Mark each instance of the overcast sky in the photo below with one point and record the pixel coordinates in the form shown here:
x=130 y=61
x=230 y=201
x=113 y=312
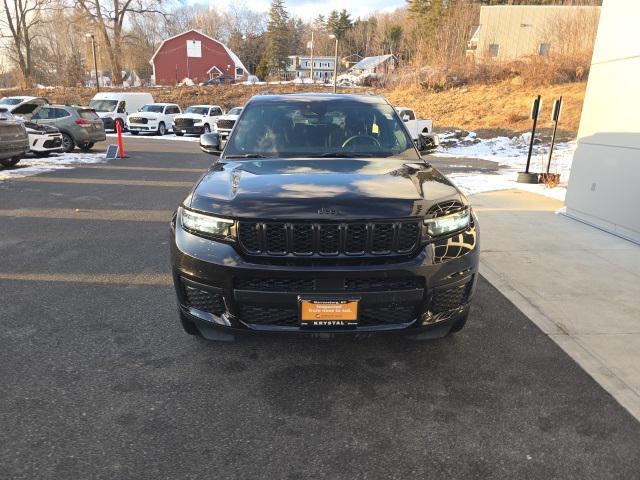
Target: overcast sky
x=308 y=9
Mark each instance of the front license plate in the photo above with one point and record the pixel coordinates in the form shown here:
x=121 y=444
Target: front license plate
x=328 y=313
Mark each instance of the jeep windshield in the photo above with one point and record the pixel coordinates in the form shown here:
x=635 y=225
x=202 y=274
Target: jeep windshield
x=322 y=128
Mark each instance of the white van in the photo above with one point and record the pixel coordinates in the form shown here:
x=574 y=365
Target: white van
x=114 y=107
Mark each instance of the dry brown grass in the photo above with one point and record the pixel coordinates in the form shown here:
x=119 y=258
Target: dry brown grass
x=497 y=106
x=502 y=106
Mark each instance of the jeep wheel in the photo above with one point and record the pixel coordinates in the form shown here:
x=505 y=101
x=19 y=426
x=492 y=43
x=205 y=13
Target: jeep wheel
x=10 y=162
x=67 y=143
x=162 y=129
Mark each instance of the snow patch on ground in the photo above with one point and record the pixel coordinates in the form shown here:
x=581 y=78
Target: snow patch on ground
x=32 y=166
x=511 y=156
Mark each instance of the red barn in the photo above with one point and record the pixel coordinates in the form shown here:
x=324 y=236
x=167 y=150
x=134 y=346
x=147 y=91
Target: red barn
x=194 y=55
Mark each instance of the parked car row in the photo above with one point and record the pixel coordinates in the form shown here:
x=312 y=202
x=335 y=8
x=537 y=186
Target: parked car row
x=163 y=118
x=48 y=128
x=137 y=112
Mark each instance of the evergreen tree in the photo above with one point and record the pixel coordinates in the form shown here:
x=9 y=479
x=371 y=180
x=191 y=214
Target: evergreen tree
x=278 y=36
x=392 y=39
x=338 y=23
x=319 y=24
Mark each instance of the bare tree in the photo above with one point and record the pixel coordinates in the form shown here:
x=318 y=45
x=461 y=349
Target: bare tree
x=108 y=18
x=19 y=23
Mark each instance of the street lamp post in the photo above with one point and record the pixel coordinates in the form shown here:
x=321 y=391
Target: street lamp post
x=95 y=62
x=335 y=65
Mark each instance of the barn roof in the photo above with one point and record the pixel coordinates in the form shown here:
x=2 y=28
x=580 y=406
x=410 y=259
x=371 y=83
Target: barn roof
x=233 y=56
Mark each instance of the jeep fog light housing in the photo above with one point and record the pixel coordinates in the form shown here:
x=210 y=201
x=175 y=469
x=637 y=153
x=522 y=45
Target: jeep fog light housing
x=449 y=223
x=206 y=225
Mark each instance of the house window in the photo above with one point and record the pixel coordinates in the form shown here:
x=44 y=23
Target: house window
x=494 y=48
x=543 y=49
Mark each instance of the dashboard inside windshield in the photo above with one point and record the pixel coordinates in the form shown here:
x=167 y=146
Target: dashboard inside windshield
x=319 y=128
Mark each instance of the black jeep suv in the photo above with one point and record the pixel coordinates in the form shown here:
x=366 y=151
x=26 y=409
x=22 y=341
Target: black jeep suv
x=321 y=216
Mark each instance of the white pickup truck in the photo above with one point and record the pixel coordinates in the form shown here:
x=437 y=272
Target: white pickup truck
x=415 y=125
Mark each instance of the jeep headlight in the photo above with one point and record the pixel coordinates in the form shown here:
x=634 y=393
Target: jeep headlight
x=206 y=225
x=453 y=222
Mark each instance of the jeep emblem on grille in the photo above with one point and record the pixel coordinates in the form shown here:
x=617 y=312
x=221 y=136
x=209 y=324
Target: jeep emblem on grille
x=328 y=211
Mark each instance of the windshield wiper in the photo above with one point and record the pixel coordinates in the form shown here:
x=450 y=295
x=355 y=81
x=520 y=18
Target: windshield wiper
x=341 y=155
x=247 y=155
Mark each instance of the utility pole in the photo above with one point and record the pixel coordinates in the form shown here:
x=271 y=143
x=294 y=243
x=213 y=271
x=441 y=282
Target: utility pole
x=311 y=56
x=95 y=61
x=335 y=65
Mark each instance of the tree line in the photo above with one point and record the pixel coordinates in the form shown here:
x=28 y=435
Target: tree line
x=48 y=41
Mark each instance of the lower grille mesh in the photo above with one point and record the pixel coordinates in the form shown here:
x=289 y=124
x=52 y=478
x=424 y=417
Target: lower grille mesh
x=204 y=300
x=450 y=298
x=288 y=317
x=345 y=284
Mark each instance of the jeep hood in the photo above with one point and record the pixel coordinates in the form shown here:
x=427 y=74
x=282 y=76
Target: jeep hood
x=321 y=189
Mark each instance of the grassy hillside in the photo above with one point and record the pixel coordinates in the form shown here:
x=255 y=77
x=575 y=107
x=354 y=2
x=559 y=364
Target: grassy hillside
x=494 y=107
x=487 y=109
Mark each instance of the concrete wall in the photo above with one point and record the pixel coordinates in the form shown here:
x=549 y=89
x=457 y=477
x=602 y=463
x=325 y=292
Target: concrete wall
x=520 y=29
x=604 y=187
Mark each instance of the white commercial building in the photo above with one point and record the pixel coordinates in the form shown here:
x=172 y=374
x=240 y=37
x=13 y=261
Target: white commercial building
x=604 y=186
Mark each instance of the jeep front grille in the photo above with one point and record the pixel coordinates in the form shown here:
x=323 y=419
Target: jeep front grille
x=329 y=239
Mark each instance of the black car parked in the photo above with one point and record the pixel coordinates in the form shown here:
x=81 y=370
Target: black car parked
x=321 y=216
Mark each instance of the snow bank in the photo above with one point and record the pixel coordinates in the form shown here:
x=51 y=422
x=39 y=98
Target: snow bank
x=31 y=166
x=511 y=156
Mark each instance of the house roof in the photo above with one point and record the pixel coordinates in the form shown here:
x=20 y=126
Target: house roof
x=371 y=62
x=233 y=56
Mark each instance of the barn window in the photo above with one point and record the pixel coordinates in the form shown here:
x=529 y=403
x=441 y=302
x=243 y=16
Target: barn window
x=494 y=48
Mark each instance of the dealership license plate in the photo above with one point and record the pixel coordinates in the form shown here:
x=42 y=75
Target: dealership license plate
x=328 y=313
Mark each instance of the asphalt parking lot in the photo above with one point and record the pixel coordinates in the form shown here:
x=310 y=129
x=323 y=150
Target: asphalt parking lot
x=98 y=381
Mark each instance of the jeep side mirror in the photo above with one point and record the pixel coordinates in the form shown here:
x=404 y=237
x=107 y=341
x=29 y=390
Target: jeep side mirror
x=210 y=143
x=427 y=142
x=405 y=118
